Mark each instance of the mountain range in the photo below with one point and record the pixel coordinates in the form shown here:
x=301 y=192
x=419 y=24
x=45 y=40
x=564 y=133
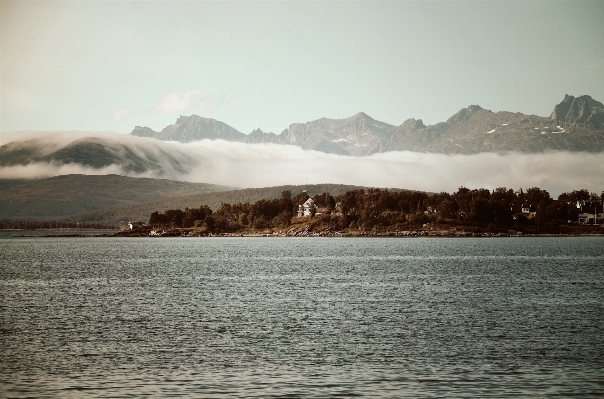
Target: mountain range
x=576 y=124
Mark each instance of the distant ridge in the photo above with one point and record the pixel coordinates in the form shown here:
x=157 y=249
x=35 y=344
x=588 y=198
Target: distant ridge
x=576 y=124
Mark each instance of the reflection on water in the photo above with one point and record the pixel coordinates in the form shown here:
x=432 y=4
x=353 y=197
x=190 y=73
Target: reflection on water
x=242 y=317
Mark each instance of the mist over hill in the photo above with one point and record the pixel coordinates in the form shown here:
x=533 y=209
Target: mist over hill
x=105 y=152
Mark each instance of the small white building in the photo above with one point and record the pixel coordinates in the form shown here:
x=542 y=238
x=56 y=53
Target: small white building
x=136 y=225
x=304 y=209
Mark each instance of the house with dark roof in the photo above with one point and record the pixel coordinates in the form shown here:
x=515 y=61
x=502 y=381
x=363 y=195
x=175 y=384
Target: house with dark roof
x=590 y=212
x=523 y=211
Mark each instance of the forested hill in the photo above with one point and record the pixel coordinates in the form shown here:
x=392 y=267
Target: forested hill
x=141 y=211
x=109 y=199
x=379 y=211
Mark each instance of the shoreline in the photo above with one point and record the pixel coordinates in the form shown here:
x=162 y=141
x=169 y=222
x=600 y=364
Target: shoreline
x=59 y=229
x=410 y=234
x=302 y=228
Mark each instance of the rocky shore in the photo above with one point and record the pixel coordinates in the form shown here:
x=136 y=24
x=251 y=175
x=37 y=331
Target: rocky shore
x=306 y=231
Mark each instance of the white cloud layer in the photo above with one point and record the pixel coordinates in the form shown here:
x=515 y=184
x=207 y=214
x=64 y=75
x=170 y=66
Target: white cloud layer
x=260 y=165
x=120 y=115
x=179 y=103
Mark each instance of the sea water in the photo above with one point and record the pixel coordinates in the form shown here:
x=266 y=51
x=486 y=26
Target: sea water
x=301 y=317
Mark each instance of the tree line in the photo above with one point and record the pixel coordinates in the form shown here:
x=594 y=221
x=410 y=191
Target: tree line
x=227 y=218
x=376 y=209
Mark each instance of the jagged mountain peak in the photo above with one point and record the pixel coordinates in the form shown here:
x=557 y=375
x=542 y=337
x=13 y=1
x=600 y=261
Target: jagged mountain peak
x=413 y=123
x=464 y=114
x=143 y=131
x=362 y=119
x=362 y=115
x=192 y=128
x=193 y=118
x=582 y=109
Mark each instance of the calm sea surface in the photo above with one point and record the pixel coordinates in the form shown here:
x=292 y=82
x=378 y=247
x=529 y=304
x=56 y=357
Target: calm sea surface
x=288 y=317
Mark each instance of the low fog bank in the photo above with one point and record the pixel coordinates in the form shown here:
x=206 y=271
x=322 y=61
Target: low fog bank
x=261 y=165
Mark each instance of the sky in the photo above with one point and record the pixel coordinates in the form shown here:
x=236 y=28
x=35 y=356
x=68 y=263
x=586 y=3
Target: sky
x=109 y=66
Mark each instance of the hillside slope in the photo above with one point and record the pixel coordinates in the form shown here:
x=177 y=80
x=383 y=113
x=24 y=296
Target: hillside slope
x=61 y=196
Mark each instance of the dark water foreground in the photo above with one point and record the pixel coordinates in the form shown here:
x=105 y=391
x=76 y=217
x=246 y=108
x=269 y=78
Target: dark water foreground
x=245 y=317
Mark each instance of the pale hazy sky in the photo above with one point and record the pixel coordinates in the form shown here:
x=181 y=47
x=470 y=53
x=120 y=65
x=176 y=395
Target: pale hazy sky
x=113 y=65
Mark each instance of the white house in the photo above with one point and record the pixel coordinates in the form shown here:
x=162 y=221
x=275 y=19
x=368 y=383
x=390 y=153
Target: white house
x=304 y=209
